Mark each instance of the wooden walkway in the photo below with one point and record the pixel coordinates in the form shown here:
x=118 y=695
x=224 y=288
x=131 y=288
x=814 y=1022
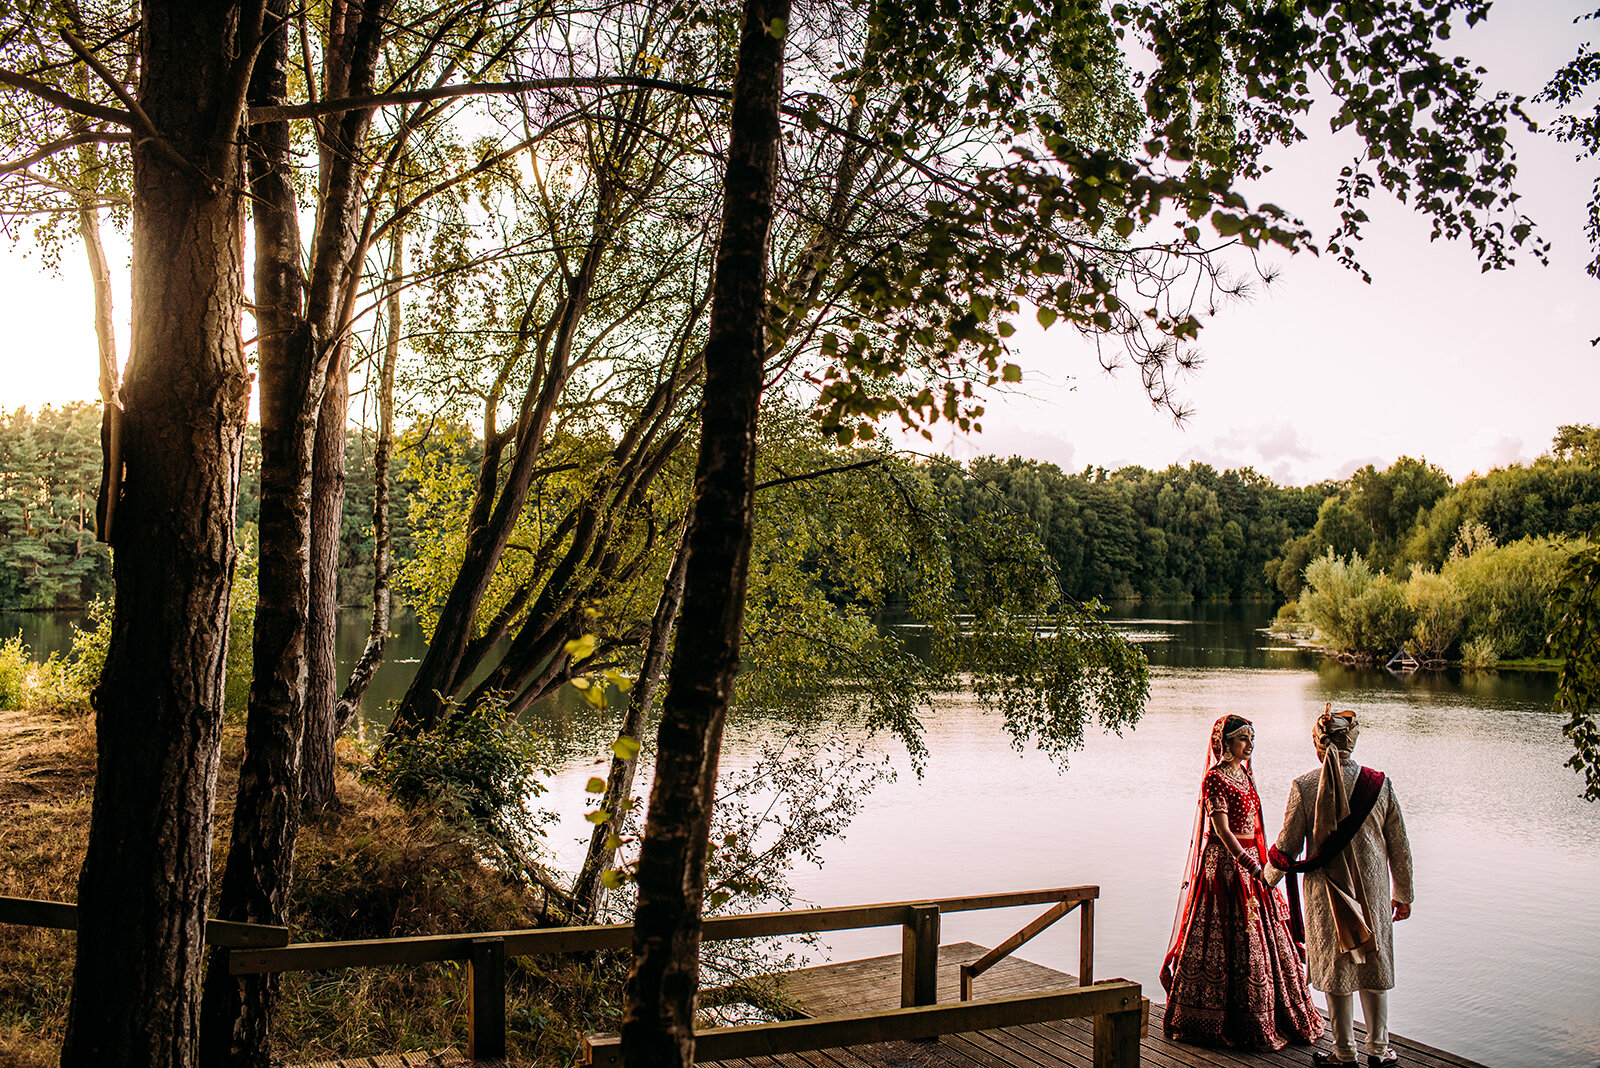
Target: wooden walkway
x=867 y=985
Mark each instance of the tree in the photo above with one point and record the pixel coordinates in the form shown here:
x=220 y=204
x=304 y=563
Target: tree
x=299 y=340
x=1576 y=641
x=1391 y=502
x=49 y=473
x=159 y=703
x=658 y=1015
x=1567 y=89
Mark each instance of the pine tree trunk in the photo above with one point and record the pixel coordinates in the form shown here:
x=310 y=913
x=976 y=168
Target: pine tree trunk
x=142 y=891
x=327 y=515
x=236 y=1011
x=658 y=1016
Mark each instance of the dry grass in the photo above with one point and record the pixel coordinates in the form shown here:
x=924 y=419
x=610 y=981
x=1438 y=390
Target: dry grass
x=364 y=869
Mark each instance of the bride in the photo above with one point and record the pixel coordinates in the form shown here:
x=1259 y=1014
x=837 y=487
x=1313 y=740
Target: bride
x=1232 y=973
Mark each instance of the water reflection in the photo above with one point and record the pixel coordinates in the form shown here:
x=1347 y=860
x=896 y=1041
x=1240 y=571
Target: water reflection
x=1498 y=962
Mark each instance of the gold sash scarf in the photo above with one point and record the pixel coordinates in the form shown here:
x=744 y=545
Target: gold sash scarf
x=1341 y=877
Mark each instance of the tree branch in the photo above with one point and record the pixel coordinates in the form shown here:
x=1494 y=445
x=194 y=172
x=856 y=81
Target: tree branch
x=786 y=479
x=50 y=149
x=66 y=101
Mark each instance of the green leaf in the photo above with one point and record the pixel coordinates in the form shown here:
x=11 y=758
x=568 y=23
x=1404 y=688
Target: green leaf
x=611 y=879
x=1047 y=316
x=1011 y=373
x=776 y=29
x=595 y=785
x=625 y=748
x=599 y=815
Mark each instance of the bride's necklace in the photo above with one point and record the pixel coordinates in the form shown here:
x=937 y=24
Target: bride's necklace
x=1233 y=771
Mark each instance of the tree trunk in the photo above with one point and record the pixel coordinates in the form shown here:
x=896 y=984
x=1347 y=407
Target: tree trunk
x=586 y=889
x=441 y=670
x=356 y=30
x=236 y=1011
x=106 y=339
x=142 y=891
x=327 y=515
x=658 y=1015
x=323 y=732
x=89 y=169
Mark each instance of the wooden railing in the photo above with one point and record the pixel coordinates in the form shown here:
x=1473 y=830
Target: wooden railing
x=1082 y=898
x=254 y=950
x=64 y=916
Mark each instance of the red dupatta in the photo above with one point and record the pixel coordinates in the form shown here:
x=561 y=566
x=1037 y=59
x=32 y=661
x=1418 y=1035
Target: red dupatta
x=1198 y=838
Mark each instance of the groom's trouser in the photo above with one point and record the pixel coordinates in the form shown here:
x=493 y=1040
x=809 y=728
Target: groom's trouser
x=1341 y=1014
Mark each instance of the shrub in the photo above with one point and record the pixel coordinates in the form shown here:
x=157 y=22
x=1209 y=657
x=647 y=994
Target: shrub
x=1380 y=619
x=87 y=658
x=1479 y=653
x=15 y=669
x=476 y=766
x=1354 y=609
x=1506 y=593
x=27 y=683
x=1440 y=613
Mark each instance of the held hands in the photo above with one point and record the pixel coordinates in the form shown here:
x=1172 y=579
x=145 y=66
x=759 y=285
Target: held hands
x=1402 y=909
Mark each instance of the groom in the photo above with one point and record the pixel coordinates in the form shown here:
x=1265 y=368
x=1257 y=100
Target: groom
x=1349 y=820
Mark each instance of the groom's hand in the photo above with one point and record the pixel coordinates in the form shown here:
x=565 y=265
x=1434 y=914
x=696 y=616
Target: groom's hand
x=1402 y=909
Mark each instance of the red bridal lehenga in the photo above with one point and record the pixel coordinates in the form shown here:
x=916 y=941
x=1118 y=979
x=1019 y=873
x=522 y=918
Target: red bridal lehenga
x=1232 y=972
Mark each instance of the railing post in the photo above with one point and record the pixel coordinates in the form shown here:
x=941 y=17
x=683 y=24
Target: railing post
x=1086 y=944
x=919 y=956
x=1116 y=1037
x=486 y=1004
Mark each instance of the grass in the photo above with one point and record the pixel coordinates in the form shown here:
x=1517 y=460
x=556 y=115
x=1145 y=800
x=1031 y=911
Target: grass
x=364 y=868
x=1529 y=663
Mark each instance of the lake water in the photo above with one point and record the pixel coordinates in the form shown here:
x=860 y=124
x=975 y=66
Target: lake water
x=1500 y=961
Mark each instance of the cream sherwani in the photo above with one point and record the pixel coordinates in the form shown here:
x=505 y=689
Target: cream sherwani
x=1381 y=851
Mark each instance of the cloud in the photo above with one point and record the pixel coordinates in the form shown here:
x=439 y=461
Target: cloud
x=1350 y=467
x=1275 y=449
x=998 y=439
x=1489 y=448
x=1269 y=442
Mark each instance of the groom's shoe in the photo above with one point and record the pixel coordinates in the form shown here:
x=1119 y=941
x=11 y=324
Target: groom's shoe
x=1325 y=1060
x=1375 y=1061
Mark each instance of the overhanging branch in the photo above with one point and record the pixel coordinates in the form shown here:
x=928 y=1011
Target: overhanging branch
x=66 y=101
x=47 y=150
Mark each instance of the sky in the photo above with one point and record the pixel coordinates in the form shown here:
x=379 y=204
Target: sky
x=1318 y=374
x=1310 y=378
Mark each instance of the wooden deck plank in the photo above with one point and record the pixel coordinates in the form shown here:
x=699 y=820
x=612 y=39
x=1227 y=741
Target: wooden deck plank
x=873 y=985
x=447 y=1058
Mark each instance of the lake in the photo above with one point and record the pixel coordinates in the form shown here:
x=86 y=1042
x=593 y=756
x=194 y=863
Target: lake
x=1500 y=961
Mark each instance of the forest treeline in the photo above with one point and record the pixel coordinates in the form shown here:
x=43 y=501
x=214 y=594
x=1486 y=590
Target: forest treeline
x=49 y=483
x=1180 y=533
x=1198 y=533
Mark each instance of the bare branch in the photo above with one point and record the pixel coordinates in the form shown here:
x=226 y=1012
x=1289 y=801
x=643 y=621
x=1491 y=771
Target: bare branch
x=66 y=101
x=50 y=149
x=448 y=92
